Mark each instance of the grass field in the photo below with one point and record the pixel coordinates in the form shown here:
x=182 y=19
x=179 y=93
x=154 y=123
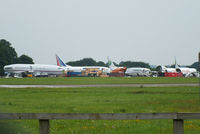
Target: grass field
x=95 y=80
x=102 y=100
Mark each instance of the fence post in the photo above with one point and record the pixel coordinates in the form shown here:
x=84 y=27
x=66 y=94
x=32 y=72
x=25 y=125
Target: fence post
x=178 y=126
x=44 y=126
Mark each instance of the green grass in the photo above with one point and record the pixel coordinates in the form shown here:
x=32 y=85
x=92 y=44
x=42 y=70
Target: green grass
x=102 y=100
x=94 y=80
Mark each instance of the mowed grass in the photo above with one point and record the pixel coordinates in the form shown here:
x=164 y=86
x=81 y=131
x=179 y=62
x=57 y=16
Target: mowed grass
x=102 y=100
x=94 y=80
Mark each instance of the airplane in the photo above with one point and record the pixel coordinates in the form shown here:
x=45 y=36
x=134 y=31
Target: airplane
x=138 y=71
x=166 y=71
x=186 y=71
x=133 y=71
x=115 y=69
x=77 y=71
x=20 y=70
x=163 y=69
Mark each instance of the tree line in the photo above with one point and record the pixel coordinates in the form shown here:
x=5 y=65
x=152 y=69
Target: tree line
x=92 y=62
x=8 y=56
x=196 y=65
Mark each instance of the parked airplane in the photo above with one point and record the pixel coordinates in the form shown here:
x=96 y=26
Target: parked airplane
x=133 y=71
x=163 y=69
x=115 y=69
x=78 y=70
x=186 y=71
x=138 y=71
x=18 y=70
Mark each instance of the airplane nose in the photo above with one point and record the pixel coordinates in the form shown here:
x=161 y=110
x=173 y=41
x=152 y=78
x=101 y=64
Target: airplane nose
x=7 y=68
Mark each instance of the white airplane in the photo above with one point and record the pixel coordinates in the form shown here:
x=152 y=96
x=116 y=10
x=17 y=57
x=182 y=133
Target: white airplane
x=114 y=68
x=138 y=71
x=133 y=71
x=78 y=70
x=163 y=69
x=17 y=70
x=186 y=71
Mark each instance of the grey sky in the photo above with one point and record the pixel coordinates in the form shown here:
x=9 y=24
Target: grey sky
x=152 y=31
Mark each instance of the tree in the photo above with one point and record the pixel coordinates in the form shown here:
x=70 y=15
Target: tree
x=24 y=59
x=134 y=64
x=86 y=62
x=100 y=63
x=196 y=65
x=8 y=55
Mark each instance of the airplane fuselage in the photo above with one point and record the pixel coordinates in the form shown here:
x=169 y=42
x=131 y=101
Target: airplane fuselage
x=34 y=68
x=138 y=71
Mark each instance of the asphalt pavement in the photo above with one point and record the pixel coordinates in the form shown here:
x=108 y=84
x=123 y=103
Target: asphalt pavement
x=100 y=85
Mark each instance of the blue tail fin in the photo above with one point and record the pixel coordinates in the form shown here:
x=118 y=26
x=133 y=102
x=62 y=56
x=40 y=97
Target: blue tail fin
x=60 y=62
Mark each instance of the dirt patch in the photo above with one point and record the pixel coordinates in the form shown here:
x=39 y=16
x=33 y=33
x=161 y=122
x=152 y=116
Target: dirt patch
x=161 y=92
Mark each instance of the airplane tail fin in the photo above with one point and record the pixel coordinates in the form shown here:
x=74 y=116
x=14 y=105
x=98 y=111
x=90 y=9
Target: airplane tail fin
x=110 y=63
x=60 y=62
x=176 y=65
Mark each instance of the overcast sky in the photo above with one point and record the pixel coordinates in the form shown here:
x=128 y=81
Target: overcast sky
x=153 y=31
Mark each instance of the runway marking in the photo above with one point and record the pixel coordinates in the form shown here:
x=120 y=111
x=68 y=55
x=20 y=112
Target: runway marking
x=100 y=85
